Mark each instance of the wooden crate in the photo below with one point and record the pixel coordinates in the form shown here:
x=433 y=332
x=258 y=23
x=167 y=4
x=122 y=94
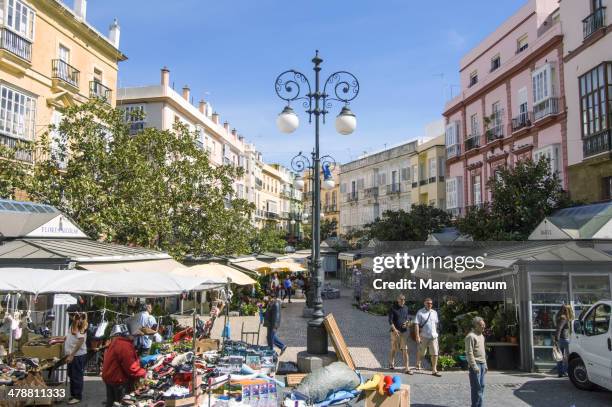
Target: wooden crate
x=184 y=402
x=294 y=379
x=338 y=341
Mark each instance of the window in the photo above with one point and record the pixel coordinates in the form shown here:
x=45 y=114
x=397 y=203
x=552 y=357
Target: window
x=475 y=131
x=64 y=54
x=522 y=44
x=552 y=154
x=432 y=169
x=20 y=18
x=394 y=177
x=17 y=112
x=476 y=191
x=497 y=126
x=597 y=322
x=454 y=190
x=495 y=62
x=542 y=83
x=452 y=136
x=523 y=107
x=97 y=76
x=405 y=174
x=596 y=5
x=415 y=174
x=595 y=103
x=473 y=78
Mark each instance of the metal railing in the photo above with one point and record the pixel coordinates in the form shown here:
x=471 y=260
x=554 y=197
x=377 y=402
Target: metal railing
x=370 y=192
x=423 y=182
x=594 y=22
x=453 y=151
x=271 y=215
x=495 y=133
x=521 y=121
x=97 y=90
x=16 y=44
x=472 y=142
x=597 y=143
x=330 y=208
x=258 y=183
x=415 y=184
x=394 y=188
x=352 y=197
x=64 y=71
x=546 y=108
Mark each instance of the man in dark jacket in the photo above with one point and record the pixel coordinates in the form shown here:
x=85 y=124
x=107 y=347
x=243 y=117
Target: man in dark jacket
x=121 y=365
x=399 y=322
x=272 y=320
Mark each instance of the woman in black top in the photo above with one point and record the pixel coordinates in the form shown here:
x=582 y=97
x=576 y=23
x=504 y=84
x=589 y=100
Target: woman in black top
x=562 y=335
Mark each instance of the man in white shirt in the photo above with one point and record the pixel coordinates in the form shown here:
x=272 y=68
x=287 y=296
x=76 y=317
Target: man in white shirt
x=426 y=326
x=147 y=323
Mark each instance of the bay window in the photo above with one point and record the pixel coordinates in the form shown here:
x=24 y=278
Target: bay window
x=595 y=89
x=17 y=112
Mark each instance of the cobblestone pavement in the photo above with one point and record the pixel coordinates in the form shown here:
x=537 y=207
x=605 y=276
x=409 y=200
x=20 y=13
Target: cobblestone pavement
x=368 y=339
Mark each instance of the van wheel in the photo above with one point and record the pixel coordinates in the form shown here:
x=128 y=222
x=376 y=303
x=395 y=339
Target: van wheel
x=578 y=374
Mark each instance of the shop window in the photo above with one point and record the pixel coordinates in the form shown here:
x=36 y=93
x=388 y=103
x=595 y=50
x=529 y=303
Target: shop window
x=597 y=322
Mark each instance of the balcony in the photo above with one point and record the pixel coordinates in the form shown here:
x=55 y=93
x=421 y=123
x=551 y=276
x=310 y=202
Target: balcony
x=21 y=154
x=64 y=73
x=99 y=91
x=393 y=188
x=453 y=151
x=258 y=183
x=271 y=215
x=594 y=22
x=330 y=208
x=495 y=133
x=370 y=192
x=597 y=143
x=16 y=44
x=352 y=196
x=415 y=184
x=522 y=121
x=546 y=108
x=423 y=182
x=472 y=142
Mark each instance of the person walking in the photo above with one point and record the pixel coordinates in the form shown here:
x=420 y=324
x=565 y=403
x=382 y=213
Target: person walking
x=272 y=320
x=75 y=351
x=121 y=365
x=562 y=335
x=357 y=286
x=426 y=333
x=147 y=325
x=275 y=285
x=288 y=285
x=477 y=361
x=399 y=322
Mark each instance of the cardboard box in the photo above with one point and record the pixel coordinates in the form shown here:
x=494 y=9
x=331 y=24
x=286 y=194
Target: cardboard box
x=43 y=352
x=204 y=345
x=400 y=398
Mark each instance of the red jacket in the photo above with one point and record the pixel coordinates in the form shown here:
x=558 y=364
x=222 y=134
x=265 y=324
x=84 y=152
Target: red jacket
x=121 y=363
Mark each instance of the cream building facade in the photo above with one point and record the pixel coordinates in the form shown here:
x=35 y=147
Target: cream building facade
x=330 y=198
x=51 y=58
x=393 y=179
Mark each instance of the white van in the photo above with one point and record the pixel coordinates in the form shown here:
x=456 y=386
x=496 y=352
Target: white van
x=590 y=348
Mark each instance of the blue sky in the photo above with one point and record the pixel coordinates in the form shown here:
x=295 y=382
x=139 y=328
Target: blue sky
x=404 y=53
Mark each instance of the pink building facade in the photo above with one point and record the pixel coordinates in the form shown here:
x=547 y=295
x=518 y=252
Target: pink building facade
x=511 y=106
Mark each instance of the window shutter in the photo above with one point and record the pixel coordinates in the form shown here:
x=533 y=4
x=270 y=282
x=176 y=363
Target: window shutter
x=432 y=167
x=405 y=174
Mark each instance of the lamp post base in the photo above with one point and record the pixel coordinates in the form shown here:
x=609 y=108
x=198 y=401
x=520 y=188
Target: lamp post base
x=307 y=312
x=308 y=362
x=316 y=339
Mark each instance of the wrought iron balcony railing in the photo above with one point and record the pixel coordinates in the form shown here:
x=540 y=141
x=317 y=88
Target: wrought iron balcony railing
x=472 y=142
x=65 y=72
x=523 y=120
x=16 y=44
x=99 y=91
x=597 y=143
x=393 y=188
x=594 y=22
x=370 y=192
x=352 y=197
x=453 y=150
x=548 y=107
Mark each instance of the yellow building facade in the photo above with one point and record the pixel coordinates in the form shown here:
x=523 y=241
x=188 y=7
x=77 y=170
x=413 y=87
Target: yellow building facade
x=50 y=58
x=330 y=198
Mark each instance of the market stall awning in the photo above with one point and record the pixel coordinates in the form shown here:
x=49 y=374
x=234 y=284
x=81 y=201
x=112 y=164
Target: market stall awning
x=251 y=265
x=215 y=270
x=108 y=284
x=162 y=266
x=283 y=266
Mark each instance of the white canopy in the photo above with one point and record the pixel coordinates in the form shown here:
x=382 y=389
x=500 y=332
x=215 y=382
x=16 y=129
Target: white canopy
x=108 y=283
x=215 y=271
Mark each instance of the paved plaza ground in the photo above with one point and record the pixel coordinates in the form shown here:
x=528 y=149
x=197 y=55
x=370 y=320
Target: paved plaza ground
x=368 y=339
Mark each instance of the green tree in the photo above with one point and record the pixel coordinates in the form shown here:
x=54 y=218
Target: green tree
x=328 y=228
x=152 y=189
x=522 y=197
x=415 y=225
x=12 y=170
x=268 y=239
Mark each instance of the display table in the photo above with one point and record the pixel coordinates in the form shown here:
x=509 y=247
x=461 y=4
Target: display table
x=503 y=355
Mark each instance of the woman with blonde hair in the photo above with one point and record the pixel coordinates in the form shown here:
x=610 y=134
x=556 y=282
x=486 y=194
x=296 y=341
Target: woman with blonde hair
x=562 y=335
x=75 y=349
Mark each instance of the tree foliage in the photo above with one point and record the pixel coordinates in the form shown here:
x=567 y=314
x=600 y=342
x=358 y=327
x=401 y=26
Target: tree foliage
x=415 y=225
x=154 y=189
x=268 y=239
x=328 y=228
x=522 y=197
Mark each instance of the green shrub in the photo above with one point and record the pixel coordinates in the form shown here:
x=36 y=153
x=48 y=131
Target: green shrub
x=248 y=309
x=446 y=362
x=379 y=309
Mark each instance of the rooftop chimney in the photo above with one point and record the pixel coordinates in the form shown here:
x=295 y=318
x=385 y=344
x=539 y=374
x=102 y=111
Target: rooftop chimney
x=114 y=32
x=234 y=133
x=186 y=92
x=226 y=126
x=202 y=106
x=165 y=76
x=80 y=8
x=215 y=117
x=241 y=138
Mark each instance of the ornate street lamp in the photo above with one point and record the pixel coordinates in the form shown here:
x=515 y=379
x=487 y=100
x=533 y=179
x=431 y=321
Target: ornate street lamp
x=340 y=87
